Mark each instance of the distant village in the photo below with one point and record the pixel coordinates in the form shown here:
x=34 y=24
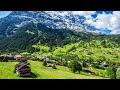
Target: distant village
x=23 y=69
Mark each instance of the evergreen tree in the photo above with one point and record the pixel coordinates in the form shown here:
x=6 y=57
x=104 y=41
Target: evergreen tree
x=75 y=66
x=44 y=63
x=111 y=72
x=84 y=63
x=54 y=66
x=5 y=59
x=118 y=73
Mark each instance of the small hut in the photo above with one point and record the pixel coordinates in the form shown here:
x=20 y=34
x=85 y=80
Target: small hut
x=90 y=71
x=1 y=57
x=52 y=66
x=40 y=59
x=11 y=56
x=22 y=69
x=20 y=58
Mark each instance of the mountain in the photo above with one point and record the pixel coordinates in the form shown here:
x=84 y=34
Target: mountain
x=53 y=20
x=21 y=29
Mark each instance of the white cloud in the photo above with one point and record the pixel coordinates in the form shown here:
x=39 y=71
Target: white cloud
x=106 y=21
x=116 y=31
x=102 y=21
x=83 y=13
x=89 y=17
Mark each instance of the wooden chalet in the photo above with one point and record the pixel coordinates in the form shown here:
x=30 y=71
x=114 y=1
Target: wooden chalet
x=90 y=71
x=40 y=59
x=11 y=56
x=20 y=58
x=22 y=69
x=50 y=65
x=1 y=56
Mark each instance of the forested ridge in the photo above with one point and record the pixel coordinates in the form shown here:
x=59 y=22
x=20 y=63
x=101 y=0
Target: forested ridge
x=31 y=34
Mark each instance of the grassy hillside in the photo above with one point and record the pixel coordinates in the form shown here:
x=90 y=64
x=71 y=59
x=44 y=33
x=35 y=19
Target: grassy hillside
x=41 y=72
x=84 y=53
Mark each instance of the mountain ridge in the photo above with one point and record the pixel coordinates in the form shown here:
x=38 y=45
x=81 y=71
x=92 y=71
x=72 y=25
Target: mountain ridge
x=46 y=27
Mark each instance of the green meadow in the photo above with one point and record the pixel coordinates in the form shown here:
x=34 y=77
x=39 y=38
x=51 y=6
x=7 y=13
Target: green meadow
x=41 y=72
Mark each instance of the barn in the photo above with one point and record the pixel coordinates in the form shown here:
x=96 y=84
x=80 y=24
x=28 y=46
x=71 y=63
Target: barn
x=20 y=58
x=22 y=69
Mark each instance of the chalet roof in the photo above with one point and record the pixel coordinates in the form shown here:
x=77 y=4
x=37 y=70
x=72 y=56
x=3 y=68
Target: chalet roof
x=1 y=55
x=40 y=57
x=90 y=70
x=10 y=55
x=20 y=65
x=50 y=65
x=18 y=56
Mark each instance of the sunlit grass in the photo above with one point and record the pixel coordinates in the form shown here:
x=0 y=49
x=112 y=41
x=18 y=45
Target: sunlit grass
x=41 y=72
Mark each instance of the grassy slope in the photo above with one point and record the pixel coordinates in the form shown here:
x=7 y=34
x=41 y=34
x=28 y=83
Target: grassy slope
x=41 y=72
x=97 y=52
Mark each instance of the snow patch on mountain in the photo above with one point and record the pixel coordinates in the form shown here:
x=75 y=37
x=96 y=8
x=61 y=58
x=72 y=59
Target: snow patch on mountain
x=53 y=19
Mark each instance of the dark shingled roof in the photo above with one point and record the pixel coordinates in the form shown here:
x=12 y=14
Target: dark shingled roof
x=20 y=65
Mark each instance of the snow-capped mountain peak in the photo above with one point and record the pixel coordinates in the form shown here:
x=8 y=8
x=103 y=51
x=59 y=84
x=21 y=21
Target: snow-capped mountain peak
x=51 y=19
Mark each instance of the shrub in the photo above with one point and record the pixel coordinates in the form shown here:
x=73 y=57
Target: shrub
x=28 y=63
x=97 y=74
x=5 y=59
x=64 y=63
x=111 y=72
x=118 y=73
x=98 y=66
x=101 y=74
x=75 y=66
x=84 y=64
x=14 y=71
x=44 y=63
x=54 y=67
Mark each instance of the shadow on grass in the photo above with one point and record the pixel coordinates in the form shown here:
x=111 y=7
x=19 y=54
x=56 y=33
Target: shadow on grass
x=31 y=76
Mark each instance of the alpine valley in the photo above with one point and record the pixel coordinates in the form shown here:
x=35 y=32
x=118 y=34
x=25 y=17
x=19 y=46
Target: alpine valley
x=61 y=38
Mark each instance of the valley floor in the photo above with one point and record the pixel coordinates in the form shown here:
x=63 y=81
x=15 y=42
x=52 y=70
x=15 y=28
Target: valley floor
x=41 y=72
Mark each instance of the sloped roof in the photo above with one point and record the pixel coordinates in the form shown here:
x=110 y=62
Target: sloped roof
x=18 y=56
x=90 y=70
x=21 y=65
x=10 y=56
